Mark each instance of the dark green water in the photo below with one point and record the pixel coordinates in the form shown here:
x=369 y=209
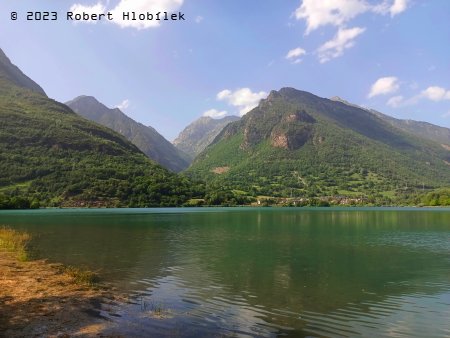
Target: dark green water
x=261 y=272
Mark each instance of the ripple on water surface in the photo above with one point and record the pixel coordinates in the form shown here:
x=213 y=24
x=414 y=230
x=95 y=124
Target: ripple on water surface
x=261 y=272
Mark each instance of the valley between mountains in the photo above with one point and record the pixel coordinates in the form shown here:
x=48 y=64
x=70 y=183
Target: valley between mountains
x=293 y=149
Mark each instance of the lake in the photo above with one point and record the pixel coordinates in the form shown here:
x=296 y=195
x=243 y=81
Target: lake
x=266 y=272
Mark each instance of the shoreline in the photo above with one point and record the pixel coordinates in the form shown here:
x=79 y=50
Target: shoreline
x=246 y=207
x=41 y=299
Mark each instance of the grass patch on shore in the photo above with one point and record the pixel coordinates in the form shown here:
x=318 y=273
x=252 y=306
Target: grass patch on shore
x=80 y=275
x=15 y=241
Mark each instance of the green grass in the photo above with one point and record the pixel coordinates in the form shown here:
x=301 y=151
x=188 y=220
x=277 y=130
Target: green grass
x=19 y=186
x=15 y=241
x=348 y=193
x=390 y=194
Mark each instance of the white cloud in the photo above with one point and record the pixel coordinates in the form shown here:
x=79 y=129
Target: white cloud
x=124 y=104
x=400 y=101
x=396 y=101
x=436 y=94
x=392 y=7
x=244 y=99
x=319 y=13
x=295 y=55
x=214 y=113
x=433 y=93
x=224 y=94
x=339 y=13
x=383 y=86
x=199 y=19
x=398 y=7
x=344 y=39
x=329 y=12
x=98 y=8
x=143 y=6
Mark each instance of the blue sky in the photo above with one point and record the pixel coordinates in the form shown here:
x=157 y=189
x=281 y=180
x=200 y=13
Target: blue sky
x=389 y=55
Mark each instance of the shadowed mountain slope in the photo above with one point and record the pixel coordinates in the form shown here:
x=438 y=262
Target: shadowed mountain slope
x=50 y=154
x=12 y=74
x=147 y=139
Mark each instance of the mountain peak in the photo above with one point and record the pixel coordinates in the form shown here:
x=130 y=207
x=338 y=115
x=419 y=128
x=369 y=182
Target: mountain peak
x=85 y=100
x=273 y=95
x=338 y=99
x=147 y=139
x=292 y=92
x=341 y=100
x=200 y=133
x=296 y=143
x=85 y=97
x=11 y=73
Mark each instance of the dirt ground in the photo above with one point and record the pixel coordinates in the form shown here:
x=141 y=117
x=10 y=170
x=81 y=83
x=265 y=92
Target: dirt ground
x=37 y=299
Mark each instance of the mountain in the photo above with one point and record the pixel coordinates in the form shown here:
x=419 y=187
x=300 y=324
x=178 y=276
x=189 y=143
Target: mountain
x=51 y=155
x=200 y=133
x=422 y=129
x=11 y=74
x=147 y=139
x=298 y=144
x=418 y=128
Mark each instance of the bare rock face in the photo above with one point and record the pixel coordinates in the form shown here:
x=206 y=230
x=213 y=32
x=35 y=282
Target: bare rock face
x=299 y=116
x=291 y=139
x=279 y=140
x=291 y=118
x=230 y=130
x=289 y=130
x=252 y=136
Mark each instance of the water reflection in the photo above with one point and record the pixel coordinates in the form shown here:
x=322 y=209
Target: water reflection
x=262 y=272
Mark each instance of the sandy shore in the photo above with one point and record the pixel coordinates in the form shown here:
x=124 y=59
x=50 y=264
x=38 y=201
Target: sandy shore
x=38 y=299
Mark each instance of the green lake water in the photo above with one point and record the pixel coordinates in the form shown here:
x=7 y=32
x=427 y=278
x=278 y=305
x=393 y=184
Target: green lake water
x=251 y=272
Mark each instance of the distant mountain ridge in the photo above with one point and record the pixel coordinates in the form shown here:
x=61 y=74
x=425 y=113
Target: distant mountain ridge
x=147 y=139
x=298 y=144
x=419 y=128
x=200 y=133
x=423 y=129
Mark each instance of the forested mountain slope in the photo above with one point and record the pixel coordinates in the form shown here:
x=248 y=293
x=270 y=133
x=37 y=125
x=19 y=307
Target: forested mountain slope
x=147 y=139
x=51 y=155
x=297 y=144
